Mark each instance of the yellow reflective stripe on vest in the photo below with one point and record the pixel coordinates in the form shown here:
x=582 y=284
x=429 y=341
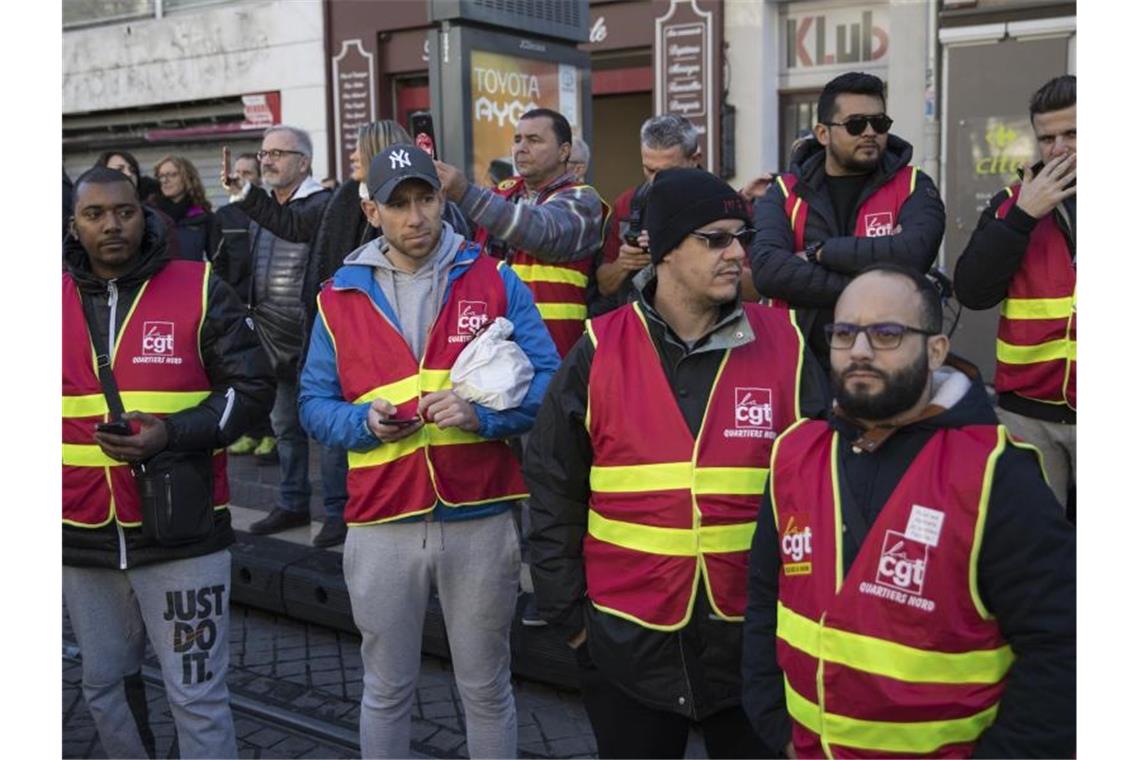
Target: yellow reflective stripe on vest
x=671 y=542
x=87 y=455
x=732 y=481
x=429 y=434
x=545 y=273
x=386 y=452
x=561 y=310
x=887 y=658
x=1037 y=308
x=918 y=737
x=152 y=402
x=669 y=476
x=395 y=393
x=666 y=476
x=1061 y=348
x=402 y=391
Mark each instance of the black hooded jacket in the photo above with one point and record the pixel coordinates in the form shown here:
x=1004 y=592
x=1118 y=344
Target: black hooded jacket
x=812 y=289
x=242 y=393
x=1026 y=578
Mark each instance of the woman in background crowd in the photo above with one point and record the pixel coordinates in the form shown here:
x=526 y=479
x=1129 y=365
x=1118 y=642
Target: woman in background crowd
x=183 y=199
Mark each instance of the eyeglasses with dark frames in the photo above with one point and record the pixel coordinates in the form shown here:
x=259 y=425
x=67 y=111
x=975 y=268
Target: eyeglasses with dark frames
x=719 y=240
x=883 y=336
x=276 y=154
x=855 y=126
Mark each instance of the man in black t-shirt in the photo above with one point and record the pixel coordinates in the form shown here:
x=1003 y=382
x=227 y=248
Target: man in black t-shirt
x=850 y=200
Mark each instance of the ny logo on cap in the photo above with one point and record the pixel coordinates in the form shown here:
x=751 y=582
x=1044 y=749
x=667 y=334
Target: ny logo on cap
x=400 y=159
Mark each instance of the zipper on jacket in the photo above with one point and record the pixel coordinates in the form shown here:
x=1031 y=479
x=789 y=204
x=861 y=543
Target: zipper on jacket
x=112 y=308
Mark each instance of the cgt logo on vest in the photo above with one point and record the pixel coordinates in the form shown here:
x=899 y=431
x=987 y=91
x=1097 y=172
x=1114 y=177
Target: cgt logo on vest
x=753 y=414
x=901 y=572
x=795 y=545
x=881 y=224
x=472 y=317
x=157 y=344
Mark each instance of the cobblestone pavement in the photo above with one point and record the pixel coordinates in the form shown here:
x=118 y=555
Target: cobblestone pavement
x=298 y=672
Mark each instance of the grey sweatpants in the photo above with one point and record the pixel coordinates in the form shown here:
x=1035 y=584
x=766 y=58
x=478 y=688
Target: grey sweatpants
x=390 y=569
x=182 y=607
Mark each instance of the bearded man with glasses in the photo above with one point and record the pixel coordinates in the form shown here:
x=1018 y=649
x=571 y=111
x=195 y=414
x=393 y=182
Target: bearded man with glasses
x=851 y=200
x=646 y=466
x=912 y=583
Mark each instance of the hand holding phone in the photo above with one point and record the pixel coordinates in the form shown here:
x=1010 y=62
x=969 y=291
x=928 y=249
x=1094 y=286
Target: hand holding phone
x=423 y=133
x=231 y=183
x=386 y=426
x=118 y=427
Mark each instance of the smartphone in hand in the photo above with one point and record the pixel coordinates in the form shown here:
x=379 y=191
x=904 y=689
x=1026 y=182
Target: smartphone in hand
x=423 y=133
x=118 y=427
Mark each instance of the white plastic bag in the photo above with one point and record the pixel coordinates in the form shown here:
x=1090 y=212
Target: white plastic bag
x=492 y=370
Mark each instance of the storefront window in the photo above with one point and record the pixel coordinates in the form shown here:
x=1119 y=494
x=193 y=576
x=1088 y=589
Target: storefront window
x=797 y=116
x=88 y=12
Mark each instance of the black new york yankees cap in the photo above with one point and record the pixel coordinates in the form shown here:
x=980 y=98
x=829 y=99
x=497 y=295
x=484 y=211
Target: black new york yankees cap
x=395 y=164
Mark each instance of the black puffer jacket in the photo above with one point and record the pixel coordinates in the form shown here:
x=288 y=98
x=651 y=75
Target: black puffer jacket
x=236 y=366
x=695 y=671
x=813 y=289
x=280 y=240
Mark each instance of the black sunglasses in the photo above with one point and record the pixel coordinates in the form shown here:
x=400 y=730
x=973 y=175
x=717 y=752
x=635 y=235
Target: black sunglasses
x=881 y=123
x=720 y=239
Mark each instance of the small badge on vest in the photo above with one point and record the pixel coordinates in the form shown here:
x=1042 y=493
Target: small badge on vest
x=754 y=414
x=901 y=571
x=472 y=318
x=795 y=544
x=925 y=524
x=879 y=224
x=157 y=344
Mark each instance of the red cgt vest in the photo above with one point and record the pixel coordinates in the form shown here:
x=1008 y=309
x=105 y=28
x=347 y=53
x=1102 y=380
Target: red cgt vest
x=876 y=217
x=409 y=476
x=901 y=656
x=1037 y=330
x=158 y=368
x=665 y=509
x=559 y=289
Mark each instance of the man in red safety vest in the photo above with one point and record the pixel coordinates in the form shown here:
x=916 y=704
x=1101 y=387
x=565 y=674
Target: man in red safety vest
x=1023 y=255
x=912 y=584
x=646 y=465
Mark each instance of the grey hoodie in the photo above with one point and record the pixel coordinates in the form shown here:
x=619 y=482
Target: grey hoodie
x=416 y=297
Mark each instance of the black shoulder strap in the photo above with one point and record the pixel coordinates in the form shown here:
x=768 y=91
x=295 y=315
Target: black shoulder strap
x=102 y=360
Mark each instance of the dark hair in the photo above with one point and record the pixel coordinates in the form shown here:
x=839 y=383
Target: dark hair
x=98 y=175
x=931 y=317
x=557 y=121
x=851 y=83
x=105 y=158
x=1055 y=95
x=249 y=157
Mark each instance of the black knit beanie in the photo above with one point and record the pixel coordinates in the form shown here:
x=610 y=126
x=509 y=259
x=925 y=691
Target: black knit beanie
x=682 y=200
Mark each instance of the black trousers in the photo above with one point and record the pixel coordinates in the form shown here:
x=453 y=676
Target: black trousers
x=626 y=728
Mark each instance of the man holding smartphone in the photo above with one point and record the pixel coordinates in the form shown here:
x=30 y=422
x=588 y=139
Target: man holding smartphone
x=1023 y=255
x=424 y=464
x=190 y=371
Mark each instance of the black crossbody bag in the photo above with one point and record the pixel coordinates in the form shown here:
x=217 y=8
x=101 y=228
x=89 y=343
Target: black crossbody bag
x=175 y=487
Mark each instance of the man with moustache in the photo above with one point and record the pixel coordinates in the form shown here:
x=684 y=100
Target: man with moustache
x=646 y=466
x=431 y=479
x=912 y=584
x=192 y=377
x=545 y=222
x=851 y=199
x=1023 y=255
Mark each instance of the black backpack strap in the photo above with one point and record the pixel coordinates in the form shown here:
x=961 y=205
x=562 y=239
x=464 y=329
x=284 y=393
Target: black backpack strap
x=102 y=359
